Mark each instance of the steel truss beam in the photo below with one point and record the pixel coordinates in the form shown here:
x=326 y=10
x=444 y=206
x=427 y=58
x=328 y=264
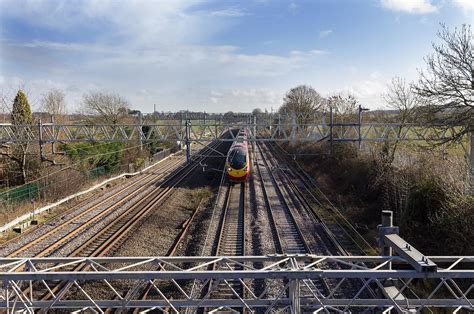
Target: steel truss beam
x=204 y=132
x=287 y=282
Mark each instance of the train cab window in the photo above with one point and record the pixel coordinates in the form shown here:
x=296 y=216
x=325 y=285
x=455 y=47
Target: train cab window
x=237 y=159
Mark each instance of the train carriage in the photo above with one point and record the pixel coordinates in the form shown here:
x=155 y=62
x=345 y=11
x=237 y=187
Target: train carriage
x=238 y=160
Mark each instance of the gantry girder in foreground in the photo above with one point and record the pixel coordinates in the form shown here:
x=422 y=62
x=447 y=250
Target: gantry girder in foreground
x=356 y=282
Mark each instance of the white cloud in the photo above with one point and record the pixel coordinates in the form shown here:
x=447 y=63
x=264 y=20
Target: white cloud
x=325 y=33
x=410 y=6
x=178 y=73
x=368 y=89
x=466 y=5
x=239 y=99
x=229 y=12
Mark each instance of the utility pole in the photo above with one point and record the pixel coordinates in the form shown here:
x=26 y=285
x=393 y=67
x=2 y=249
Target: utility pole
x=140 y=128
x=140 y=122
x=40 y=139
x=254 y=127
x=359 y=126
x=54 y=131
x=331 y=125
x=279 y=124
x=293 y=129
x=187 y=140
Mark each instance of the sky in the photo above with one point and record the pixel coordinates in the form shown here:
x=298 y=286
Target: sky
x=217 y=55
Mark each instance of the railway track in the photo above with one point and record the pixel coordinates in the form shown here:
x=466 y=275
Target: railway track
x=116 y=232
x=231 y=240
x=348 y=239
x=289 y=237
x=332 y=243
x=151 y=285
x=66 y=229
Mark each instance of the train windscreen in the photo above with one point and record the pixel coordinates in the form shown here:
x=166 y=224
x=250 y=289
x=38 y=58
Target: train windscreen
x=237 y=159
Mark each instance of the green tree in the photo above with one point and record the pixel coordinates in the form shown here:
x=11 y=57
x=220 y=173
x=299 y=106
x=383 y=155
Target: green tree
x=18 y=152
x=21 y=110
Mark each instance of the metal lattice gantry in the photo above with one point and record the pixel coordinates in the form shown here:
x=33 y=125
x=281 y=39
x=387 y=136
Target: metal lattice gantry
x=356 y=282
x=204 y=132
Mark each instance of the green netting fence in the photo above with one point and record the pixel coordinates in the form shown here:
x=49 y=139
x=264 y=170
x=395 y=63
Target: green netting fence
x=35 y=190
x=24 y=192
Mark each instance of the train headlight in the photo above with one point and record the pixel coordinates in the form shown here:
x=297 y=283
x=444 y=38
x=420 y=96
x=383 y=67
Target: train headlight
x=229 y=169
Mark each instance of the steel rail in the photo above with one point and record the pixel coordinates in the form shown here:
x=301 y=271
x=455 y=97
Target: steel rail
x=129 y=220
x=172 y=250
x=232 y=239
x=291 y=223
x=331 y=216
x=321 y=285
x=107 y=239
x=145 y=181
x=341 y=248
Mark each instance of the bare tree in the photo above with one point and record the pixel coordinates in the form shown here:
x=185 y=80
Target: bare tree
x=302 y=99
x=4 y=105
x=54 y=102
x=304 y=102
x=447 y=86
x=105 y=108
x=343 y=106
x=400 y=97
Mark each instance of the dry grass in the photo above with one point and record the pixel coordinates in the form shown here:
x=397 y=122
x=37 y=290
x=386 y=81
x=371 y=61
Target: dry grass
x=426 y=189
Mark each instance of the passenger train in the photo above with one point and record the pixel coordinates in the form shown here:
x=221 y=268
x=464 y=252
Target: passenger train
x=238 y=160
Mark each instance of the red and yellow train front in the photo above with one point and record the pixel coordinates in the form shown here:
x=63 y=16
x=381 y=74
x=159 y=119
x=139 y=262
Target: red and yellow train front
x=238 y=165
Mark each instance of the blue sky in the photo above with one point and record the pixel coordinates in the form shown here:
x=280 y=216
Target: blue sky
x=217 y=55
